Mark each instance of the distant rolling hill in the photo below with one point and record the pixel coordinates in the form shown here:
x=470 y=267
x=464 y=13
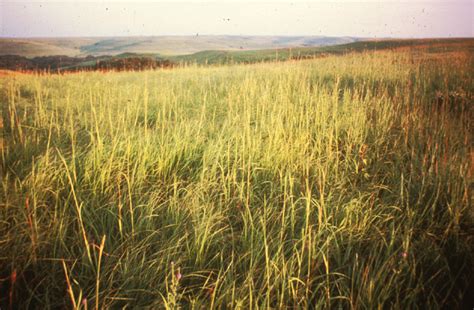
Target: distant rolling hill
x=163 y=45
x=143 y=61
x=30 y=48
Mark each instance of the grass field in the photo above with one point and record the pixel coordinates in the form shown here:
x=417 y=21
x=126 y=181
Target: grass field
x=344 y=181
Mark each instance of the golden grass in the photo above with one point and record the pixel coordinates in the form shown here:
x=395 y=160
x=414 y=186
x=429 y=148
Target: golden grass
x=334 y=182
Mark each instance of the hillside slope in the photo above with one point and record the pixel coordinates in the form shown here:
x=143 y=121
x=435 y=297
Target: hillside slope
x=222 y=57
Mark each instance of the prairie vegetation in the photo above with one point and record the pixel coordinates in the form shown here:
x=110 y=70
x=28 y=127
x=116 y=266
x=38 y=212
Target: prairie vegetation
x=341 y=181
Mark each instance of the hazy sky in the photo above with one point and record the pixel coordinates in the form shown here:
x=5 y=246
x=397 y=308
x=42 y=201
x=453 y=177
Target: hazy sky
x=368 y=18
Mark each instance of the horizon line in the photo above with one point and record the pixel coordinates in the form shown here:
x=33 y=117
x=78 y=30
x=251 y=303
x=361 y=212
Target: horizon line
x=235 y=35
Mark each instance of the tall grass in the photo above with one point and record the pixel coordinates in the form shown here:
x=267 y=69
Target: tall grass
x=336 y=182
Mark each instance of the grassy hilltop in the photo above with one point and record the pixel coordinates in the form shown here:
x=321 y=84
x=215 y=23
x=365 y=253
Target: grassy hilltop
x=343 y=181
x=283 y=54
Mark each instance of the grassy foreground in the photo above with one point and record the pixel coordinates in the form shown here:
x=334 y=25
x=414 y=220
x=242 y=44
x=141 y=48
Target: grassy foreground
x=344 y=181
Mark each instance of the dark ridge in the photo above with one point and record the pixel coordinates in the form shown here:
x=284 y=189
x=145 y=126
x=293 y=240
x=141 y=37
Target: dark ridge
x=123 y=62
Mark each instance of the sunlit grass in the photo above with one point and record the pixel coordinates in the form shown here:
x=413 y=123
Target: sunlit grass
x=343 y=181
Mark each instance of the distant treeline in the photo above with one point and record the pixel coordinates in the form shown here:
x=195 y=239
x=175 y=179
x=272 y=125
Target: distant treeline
x=124 y=62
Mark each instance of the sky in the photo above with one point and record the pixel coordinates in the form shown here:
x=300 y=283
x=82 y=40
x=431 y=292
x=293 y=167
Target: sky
x=370 y=18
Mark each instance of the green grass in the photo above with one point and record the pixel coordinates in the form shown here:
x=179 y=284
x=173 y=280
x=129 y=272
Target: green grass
x=344 y=181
